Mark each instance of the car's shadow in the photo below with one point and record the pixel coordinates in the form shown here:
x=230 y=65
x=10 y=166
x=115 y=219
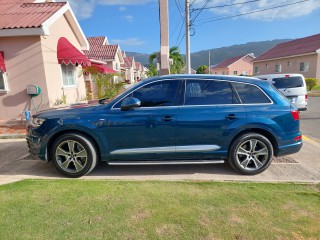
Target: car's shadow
x=30 y=168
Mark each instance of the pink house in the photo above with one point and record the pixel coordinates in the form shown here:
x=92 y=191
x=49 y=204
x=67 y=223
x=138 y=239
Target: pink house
x=36 y=55
x=240 y=65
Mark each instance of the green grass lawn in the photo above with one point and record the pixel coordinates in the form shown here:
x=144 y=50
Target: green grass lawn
x=82 y=209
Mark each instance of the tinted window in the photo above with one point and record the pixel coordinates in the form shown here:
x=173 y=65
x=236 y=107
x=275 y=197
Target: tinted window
x=207 y=92
x=288 y=82
x=161 y=93
x=250 y=94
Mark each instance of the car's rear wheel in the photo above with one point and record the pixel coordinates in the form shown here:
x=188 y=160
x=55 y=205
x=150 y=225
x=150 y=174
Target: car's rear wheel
x=250 y=154
x=73 y=155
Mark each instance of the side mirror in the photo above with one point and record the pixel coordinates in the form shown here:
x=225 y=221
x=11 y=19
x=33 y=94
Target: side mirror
x=129 y=103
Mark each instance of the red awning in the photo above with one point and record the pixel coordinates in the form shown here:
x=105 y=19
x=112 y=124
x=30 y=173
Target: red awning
x=67 y=54
x=102 y=68
x=2 y=65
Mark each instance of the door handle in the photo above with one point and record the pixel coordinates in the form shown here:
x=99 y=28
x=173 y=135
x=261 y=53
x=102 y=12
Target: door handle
x=167 y=119
x=232 y=116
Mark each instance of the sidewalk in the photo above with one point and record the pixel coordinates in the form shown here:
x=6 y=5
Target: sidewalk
x=14 y=129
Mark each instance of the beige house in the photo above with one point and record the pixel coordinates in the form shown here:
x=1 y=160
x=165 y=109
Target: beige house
x=36 y=54
x=240 y=65
x=297 y=56
x=111 y=55
x=128 y=68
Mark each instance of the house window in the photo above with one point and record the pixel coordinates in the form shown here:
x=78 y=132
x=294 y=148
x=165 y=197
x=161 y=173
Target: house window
x=3 y=82
x=289 y=63
x=278 y=68
x=267 y=65
x=235 y=72
x=256 y=69
x=304 y=67
x=68 y=74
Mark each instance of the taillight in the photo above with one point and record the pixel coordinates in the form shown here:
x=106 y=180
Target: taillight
x=295 y=114
x=306 y=97
x=297 y=138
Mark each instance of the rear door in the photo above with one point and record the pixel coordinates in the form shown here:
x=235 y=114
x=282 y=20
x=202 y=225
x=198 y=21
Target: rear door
x=208 y=118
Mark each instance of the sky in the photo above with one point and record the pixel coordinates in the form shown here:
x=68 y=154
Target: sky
x=134 y=24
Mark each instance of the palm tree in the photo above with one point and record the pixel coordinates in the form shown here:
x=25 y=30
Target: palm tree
x=176 y=57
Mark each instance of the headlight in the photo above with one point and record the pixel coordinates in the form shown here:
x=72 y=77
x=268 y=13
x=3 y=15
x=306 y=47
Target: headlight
x=37 y=122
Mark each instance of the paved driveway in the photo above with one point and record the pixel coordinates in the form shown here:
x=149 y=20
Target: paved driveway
x=300 y=167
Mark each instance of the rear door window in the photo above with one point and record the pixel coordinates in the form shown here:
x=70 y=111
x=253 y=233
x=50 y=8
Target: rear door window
x=288 y=82
x=250 y=94
x=209 y=92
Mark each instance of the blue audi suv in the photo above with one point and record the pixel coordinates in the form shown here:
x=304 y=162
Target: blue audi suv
x=175 y=119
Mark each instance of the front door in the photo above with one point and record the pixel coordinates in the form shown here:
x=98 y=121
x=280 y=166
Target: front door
x=146 y=132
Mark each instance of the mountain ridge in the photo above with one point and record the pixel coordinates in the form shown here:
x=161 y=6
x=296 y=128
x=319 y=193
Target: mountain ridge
x=218 y=54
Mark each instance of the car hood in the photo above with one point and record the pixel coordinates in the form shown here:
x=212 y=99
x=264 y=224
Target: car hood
x=72 y=111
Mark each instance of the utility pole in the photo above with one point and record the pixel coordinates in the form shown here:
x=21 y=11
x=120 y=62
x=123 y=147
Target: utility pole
x=209 y=68
x=164 y=37
x=188 y=66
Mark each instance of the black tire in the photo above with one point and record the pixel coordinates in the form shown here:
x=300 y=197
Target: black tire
x=73 y=155
x=250 y=154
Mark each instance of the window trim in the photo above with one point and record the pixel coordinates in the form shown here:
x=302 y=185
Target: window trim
x=181 y=104
x=305 y=69
x=178 y=99
x=280 y=68
x=5 y=82
x=75 y=85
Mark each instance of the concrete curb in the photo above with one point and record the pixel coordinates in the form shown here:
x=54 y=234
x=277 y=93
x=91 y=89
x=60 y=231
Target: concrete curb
x=12 y=136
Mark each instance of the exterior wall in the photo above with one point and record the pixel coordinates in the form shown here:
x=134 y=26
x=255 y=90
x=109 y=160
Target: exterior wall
x=243 y=66
x=294 y=67
x=318 y=68
x=220 y=71
x=24 y=63
x=53 y=68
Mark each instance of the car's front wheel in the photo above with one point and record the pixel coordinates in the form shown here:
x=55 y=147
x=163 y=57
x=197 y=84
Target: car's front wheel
x=250 y=153
x=74 y=155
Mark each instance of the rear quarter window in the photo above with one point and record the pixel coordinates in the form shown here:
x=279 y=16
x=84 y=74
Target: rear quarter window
x=250 y=94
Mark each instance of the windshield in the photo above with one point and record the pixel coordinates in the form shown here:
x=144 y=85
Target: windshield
x=288 y=82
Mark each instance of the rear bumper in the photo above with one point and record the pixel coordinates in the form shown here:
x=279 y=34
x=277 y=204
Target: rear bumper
x=288 y=149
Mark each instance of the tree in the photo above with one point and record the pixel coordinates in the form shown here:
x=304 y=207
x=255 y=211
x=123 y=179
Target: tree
x=202 y=69
x=177 y=58
x=174 y=54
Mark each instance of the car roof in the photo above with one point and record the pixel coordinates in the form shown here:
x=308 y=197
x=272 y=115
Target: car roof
x=207 y=76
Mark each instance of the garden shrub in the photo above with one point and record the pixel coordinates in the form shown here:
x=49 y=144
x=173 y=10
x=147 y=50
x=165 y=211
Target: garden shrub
x=311 y=82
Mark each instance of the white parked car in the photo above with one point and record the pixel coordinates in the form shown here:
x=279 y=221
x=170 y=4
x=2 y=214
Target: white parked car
x=293 y=86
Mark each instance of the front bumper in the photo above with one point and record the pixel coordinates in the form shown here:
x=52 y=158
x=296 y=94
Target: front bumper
x=34 y=144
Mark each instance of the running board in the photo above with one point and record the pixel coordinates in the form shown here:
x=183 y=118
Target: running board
x=165 y=162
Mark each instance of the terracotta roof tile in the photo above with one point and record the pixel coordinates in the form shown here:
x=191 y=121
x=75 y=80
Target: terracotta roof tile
x=102 y=52
x=296 y=47
x=96 y=40
x=127 y=62
x=138 y=66
x=226 y=63
x=24 y=14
